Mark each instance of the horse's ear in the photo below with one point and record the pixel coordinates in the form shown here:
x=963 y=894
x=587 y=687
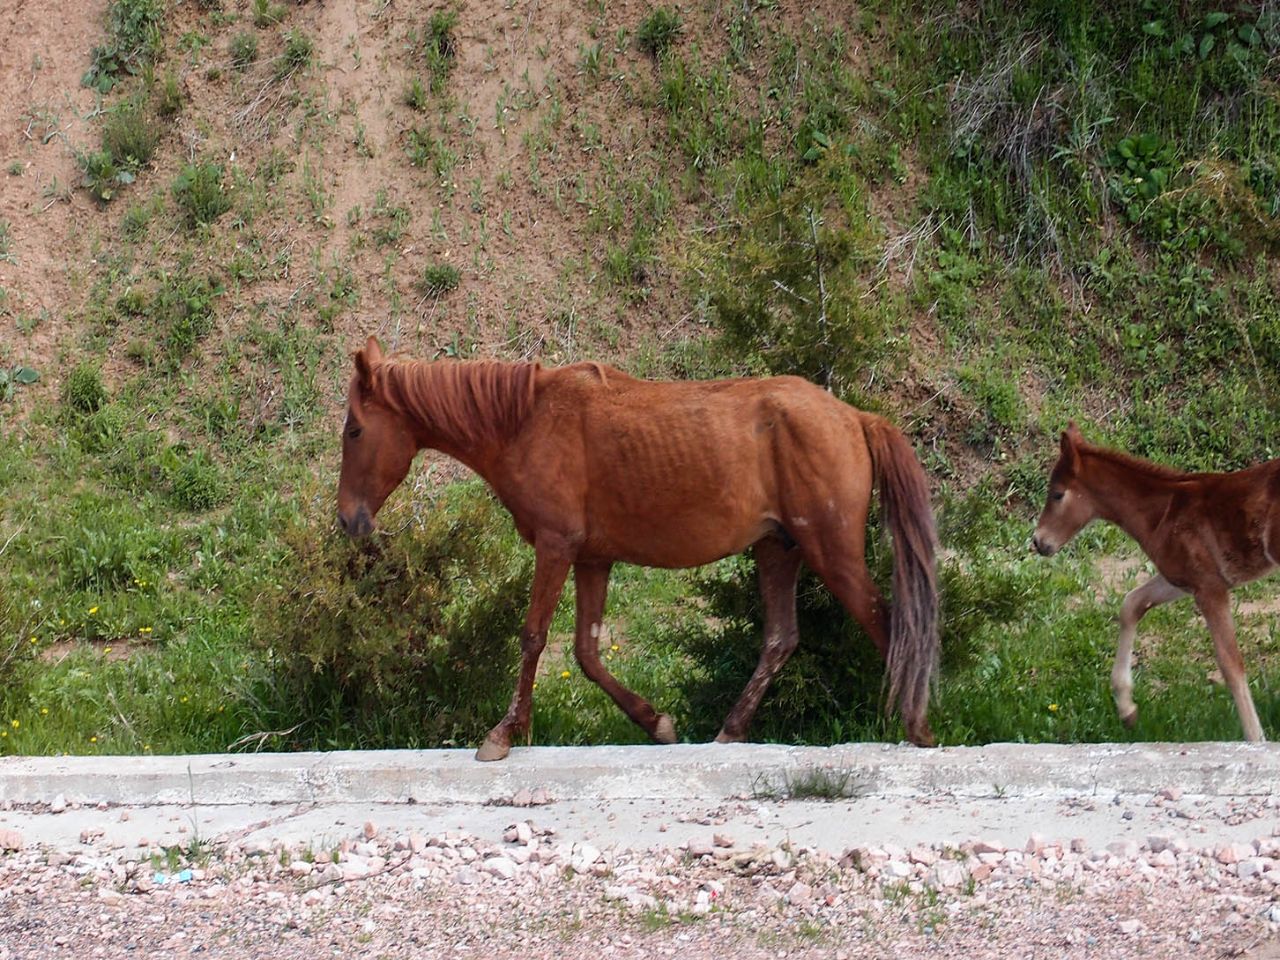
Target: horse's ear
x=1067 y=443
x=366 y=358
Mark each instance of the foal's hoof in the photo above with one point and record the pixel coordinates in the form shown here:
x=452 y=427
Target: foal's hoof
x=665 y=729
x=1130 y=719
x=493 y=749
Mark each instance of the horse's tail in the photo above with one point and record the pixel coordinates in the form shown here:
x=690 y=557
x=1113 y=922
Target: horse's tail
x=913 y=622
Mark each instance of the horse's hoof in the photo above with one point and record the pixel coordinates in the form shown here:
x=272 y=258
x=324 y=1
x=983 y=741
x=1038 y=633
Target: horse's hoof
x=1130 y=719
x=493 y=749
x=723 y=737
x=665 y=729
x=922 y=736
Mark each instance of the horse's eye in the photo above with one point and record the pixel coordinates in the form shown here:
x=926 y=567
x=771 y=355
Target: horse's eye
x=1057 y=495
x=355 y=432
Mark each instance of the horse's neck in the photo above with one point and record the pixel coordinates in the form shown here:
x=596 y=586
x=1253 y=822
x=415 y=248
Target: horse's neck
x=466 y=410
x=1125 y=494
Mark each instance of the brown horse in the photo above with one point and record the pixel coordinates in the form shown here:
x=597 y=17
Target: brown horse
x=1205 y=532
x=597 y=467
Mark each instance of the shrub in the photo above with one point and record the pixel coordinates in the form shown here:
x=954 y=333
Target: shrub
x=405 y=639
x=658 y=31
x=438 y=279
x=183 y=308
x=198 y=190
x=83 y=390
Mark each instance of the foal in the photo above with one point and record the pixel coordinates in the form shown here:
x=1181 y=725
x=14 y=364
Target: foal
x=597 y=467
x=1205 y=532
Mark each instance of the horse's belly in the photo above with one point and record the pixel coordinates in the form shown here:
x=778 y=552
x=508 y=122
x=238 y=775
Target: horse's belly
x=687 y=542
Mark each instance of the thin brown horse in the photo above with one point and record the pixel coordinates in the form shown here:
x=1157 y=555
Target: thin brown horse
x=1205 y=532
x=597 y=467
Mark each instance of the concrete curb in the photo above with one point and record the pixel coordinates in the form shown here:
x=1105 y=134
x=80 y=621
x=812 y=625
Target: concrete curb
x=704 y=772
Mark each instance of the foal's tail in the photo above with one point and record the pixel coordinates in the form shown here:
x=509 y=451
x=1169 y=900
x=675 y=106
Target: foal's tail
x=913 y=622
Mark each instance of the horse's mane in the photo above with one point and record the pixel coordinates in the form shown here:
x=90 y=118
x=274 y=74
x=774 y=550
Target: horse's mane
x=460 y=400
x=1134 y=464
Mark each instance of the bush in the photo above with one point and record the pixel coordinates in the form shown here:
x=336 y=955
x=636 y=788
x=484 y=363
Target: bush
x=83 y=390
x=440 y=47
x=197 y=484
x=405 y=639
x=658 y=31
x=198 y=190
x=183 y=307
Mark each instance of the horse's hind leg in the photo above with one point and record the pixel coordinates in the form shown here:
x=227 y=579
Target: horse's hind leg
x=549 y=574
x=1216 y=607
x=591 y=582
x=1137 y=602
x=778 y=567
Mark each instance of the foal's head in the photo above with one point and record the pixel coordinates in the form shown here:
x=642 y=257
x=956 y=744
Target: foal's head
x=378 y=447
x=1068 y=507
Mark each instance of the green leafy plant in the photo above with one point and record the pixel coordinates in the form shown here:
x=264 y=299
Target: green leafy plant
x=298 y=50
x=440 y=47
x=83 y=390
x=101 y=177
x=130 y=135
x=13 y=377
x=133 y=38
x=244 y=50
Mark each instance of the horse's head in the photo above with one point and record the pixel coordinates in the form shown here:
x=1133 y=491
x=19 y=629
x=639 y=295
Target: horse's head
x=378 y=447
x=1068 y=506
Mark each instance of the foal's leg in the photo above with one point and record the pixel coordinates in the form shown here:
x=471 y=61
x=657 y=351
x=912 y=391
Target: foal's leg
x=1137 y=602
x=549 y=574
x=590 y=583
x=777 y=567
x=1216 y=607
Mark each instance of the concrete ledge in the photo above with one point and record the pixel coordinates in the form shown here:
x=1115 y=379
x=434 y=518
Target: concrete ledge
x=705 y=772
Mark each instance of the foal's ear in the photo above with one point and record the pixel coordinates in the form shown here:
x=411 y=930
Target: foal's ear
x=1067 y=443
x=366 y=358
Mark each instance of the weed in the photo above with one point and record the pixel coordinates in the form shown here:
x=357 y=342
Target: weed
x=199 y=192
x=83 y=390
x=101 y=177
x=298 y=50
x=267 y=14
x=133 y=39
x=415 y=94
x=130 y=135
x=658 y=31
x=438 y=279
x=440 y=47
x=244 y=50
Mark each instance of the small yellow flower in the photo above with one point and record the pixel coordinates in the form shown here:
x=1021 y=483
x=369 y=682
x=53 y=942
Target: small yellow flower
x=146 y=746
x=44 y=711
x=33 y=639
x=184 y=699
x=93 y=739
x=615 y=648
x=15 y=724
x=535 y=684
x=564 y=675
x=92 y=611
x=106 y=649
x=1053 y=708
x=144 y=629
x=221 y=707
x=4 y=734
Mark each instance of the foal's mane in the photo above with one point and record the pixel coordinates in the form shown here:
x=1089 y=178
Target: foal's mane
x=1135 y=464
x=473 y=399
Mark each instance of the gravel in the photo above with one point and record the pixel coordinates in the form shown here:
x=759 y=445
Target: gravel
x=382 y=891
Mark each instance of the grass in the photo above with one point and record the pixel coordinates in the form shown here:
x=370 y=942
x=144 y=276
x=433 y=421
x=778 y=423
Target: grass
x=915 y=208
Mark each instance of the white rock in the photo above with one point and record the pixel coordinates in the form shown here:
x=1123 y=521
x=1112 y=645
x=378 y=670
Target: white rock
x=1124 y=849
x=897 y=870
x=1234 y=852
x=500 y=867
x=924 y=855
x=947 y=875
x=58 y=805
x=1247 y=869
x=1129 y=927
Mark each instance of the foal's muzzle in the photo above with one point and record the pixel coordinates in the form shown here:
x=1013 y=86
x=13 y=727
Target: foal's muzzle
x=360 y=524
x=1043 y=547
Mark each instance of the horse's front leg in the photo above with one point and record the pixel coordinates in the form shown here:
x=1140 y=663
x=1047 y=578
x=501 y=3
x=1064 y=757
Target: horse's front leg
x=1137 y=603
x=549 y=572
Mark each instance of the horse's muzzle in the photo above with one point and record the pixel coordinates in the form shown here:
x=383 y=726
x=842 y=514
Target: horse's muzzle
x=360 y=524
x=1043 y=547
